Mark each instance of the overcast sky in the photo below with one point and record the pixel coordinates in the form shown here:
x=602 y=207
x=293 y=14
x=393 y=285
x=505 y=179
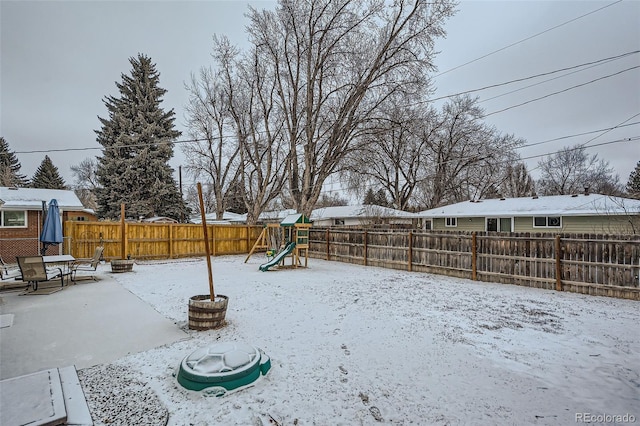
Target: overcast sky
x=59 y=59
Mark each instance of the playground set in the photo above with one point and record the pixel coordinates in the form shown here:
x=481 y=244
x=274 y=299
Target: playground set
x=289 y=238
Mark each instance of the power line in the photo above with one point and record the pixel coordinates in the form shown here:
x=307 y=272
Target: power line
x=578 y=147
x=527 y=38
x=608 y=129
x=134 y=145
x=50 y=150
x=599 y=61
x=559 y=91
x=575 y=148
x=539 y=83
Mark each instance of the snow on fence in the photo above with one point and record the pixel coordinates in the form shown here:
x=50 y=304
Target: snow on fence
x=601 y=265
x=157 y=240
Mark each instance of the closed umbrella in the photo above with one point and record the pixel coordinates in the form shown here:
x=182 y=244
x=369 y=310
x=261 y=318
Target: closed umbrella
x=52 y=228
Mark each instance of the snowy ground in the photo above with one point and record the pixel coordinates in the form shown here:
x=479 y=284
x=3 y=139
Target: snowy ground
x=352 y=345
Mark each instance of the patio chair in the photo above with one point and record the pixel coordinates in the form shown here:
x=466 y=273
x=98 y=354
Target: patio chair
x=88 y=265
x=8 y=272
x=34 y=271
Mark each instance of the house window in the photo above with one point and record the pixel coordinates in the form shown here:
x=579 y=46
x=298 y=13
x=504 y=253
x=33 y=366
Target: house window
x=428 y=225
x=451 y=222
x=547 y=222
x=492 y=224
x=338 y=221
x=14 y=219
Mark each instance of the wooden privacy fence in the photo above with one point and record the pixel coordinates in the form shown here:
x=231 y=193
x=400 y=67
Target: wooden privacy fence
x=157 y=240
x=600 y=265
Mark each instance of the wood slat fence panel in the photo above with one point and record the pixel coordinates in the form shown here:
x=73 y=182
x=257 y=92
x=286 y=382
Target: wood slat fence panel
x=158 y=240
x=593 y=264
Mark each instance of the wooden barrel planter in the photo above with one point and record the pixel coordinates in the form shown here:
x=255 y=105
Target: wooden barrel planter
x=122 y=265
x=205 y=314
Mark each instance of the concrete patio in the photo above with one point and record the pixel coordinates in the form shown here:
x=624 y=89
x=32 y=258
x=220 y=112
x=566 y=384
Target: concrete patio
x=89 y=323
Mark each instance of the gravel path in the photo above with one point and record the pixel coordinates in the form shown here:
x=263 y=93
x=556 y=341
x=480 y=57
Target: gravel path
x=114 y=398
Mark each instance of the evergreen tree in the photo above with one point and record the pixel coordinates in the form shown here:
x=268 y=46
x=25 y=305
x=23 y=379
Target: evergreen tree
x=369 y=197
x=47 y=176
x=138 y=143
x=234 y=198
x=10 y=167
x=633 y=185
x=378 y=198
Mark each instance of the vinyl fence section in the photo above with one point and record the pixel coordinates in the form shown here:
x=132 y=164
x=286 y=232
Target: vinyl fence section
x=601 y=265
x=157 y=240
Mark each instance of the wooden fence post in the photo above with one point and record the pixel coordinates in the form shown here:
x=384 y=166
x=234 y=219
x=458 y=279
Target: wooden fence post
x=213 y=240
x=171 y=241
x=364 y=249
x=410 y=254
x=558 y=265
x=474 y=256
x=327 y=239
x=70 y=228
x=123 y=234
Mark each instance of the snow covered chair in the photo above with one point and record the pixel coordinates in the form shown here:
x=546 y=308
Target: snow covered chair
x=87 y=265
x=34 y=271
x=8 y=272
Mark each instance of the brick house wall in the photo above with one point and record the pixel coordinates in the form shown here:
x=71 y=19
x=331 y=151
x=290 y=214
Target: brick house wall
x=21 y=241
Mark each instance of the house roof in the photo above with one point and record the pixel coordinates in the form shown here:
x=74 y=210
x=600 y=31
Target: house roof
x=358 y=211
x=560 y=205
x=275 y=215
x=227 y=217
x=160 y=219
x=32 y=198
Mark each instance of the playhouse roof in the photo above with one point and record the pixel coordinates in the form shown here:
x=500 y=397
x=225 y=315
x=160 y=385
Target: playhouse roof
x=292 y=219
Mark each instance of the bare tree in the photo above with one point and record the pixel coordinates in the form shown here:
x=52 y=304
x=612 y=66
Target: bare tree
x=193 y=201
x=483 y=178
x=86 y=182
x=517 y=182
x=214 y=157
x=330 y=200
x=465 y=155
x=572 y=170
x=251 y=89
x=334 y=62
x=393 y=155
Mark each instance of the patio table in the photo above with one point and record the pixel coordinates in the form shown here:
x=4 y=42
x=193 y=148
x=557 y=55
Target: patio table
x=60 y=259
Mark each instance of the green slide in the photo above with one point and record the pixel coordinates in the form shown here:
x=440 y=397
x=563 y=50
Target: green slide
x=284 y=252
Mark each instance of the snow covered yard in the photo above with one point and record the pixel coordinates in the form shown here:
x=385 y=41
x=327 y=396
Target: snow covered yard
x=354 y=345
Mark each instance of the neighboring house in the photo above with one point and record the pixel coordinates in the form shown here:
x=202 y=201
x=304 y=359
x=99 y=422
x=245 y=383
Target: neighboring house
x=160 y=219
x=578 y=213
x=21 y=217
x=361 y=215
x=275 y=216
x=228 y=218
